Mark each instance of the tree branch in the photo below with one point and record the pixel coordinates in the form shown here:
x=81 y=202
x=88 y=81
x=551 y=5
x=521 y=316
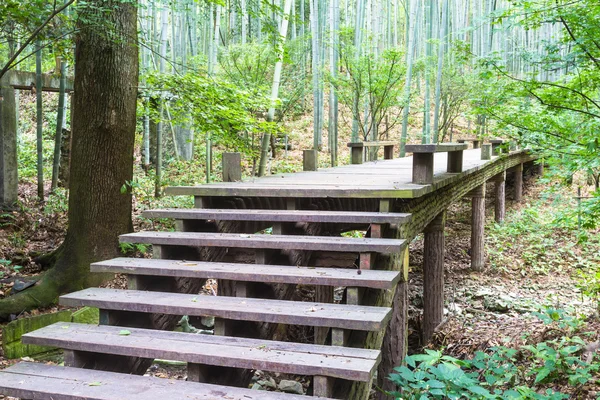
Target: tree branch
x=54 y=13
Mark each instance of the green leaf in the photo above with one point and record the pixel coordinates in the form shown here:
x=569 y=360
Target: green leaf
x=94 y=384
x=124 y=332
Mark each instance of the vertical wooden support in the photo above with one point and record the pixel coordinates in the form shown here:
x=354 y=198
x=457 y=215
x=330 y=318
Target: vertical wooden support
x=388 y=152
x=477 y=228
x=540 y=167
x=476 y=144
x=518 y=182
x=232 y=167
x=500 y=197
x=455 y=161
x=395 y=341
x=309 y=160
x=422 y=172
x=433 y=275
x=322 y=386
x=496 y=147
x=356 y=154
x=486 y=151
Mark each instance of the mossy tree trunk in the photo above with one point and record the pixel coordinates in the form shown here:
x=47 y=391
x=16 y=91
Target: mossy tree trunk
x=104 y=120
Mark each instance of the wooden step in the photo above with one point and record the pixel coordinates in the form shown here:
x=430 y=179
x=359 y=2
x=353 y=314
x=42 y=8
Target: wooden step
x=50 y=382
x=348 y=217
x=280 y=242
x=362 y=318
x=290 y=358
x=251 y=272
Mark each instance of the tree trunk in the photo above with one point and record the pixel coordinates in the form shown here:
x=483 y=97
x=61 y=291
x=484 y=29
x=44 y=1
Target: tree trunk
x=104 y=110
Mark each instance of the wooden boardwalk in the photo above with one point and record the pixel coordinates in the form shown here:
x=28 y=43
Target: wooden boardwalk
x=376 y=179
x=262 y=239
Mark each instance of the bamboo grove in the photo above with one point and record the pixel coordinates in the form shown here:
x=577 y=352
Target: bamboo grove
x=231 y=75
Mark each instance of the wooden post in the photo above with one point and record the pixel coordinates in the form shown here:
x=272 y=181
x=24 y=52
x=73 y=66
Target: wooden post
x=232 y=167
x=500 y=197
x=433 y=276
x=395 y=341
x=356 y=154
x=540 y=167
x=309 y=160
x=455 y=161
x=388 y=152
x=486 y=151
x=422 y=168
x=476 y=144
x=477 y=228
x=518 y=183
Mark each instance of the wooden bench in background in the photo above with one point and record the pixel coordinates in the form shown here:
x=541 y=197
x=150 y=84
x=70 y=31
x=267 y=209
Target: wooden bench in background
x=423 y=159
x=476 y=142
x=357 y=150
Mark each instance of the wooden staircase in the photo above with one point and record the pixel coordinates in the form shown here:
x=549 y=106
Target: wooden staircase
x=118 y=335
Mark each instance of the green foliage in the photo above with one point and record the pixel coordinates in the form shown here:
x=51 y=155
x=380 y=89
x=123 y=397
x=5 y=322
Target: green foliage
x=213 y=105
x=556 y=116
x=371 y=81
x=502 y=372
x=532 y=240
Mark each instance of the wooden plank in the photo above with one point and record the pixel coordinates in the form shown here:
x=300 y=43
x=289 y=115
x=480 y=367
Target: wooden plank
x=314 y=216
x=435 y=148
x=51 y=382
x=391 y=189
x=259 y=241
x=206 y=349
x=375 y=279
x=372 y=144
x=363 y=318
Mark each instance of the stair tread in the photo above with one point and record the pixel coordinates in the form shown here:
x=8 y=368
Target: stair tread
x=290 y=358
x=250 y=272
x=281 y=242
x=363 y=318
x=41 y=381
x=323 y=216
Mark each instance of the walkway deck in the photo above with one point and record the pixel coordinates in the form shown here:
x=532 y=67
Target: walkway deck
x=377 y=179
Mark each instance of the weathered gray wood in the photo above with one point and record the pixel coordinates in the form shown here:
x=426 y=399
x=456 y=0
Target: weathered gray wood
x=518 y=182
x=422 y=168
x=372 y=143
x=476 y=142
x=455 y=162
x=500 y=197
x=433 y=276
x=258 y=241
x=317 y=216
x=232 y=167
x=310 y=160
x=323 y=386
x=375 y=279
x=327 y=183
x=497 y=146
x=290 y=358
x=356 y=154
x=435 y=148
x=363 y=318
x=51 y=382
x=477 y=228
x=486 y=151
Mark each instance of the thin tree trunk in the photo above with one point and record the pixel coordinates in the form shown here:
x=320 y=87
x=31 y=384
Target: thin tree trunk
x=266 y=139
x=60 y=120
x=39 y=119
x=159 y=129
x=412 y=27
x=440 y=66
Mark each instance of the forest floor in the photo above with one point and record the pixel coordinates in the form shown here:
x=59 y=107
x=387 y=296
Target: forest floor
x=533 y=266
